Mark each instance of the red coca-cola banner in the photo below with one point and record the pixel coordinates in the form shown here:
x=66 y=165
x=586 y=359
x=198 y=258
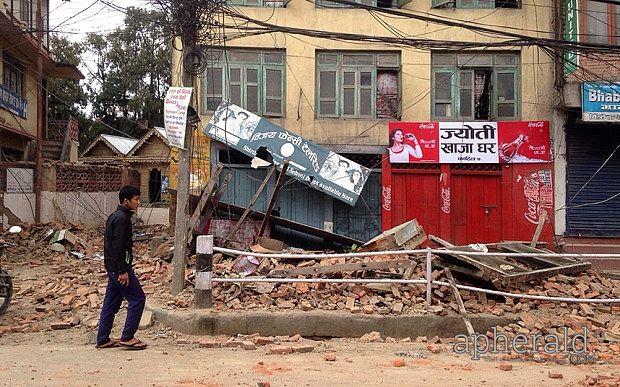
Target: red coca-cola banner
x=469 y=142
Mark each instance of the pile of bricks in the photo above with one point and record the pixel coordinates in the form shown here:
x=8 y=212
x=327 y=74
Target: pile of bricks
x=60 y=290
x=55 y=290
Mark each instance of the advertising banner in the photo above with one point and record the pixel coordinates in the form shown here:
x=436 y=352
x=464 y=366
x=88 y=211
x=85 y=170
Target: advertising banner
x=175 y=114
x=310 y=163
x=571 y=34
x=469 y=142
x=600 y=102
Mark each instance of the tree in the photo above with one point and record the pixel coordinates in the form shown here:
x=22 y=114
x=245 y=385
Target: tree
x=67 y=97
x=131 y=74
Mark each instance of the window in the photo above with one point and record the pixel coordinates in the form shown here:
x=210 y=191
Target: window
x=602 y=22
x=476 y=4
x=25 y=12
x=13 y=74
x=373 y=3
x=475 y=86
x=252 y=79
x=357 y=84
x=260 y=3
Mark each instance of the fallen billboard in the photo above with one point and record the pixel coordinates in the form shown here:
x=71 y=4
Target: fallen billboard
x=310 y=163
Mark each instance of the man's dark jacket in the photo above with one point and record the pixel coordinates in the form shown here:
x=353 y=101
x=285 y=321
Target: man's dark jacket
x=118 y=240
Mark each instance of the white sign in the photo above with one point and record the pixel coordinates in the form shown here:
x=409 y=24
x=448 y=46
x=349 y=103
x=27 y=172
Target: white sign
x=468 y=142
x=175 y=114
x=19 y=180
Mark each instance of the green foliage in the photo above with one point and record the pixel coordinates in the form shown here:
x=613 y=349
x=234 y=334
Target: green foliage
x=126 y=85
x=67 y=97
x=132 y=72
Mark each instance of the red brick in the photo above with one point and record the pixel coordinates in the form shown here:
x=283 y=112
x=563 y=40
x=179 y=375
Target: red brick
x=280 y=350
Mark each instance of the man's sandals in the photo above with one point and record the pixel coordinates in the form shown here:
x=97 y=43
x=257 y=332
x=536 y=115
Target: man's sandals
x=133 y=344
x=112 y=343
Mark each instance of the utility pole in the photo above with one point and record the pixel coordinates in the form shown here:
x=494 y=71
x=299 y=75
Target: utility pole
x=180 y=14
x=180 y=227
x=40 y=119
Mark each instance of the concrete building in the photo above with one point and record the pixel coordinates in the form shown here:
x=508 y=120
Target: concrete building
x=588 y=132
x=18 y=89
x=342 y=94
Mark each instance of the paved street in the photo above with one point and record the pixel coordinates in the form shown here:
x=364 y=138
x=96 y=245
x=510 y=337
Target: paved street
x=64 y=358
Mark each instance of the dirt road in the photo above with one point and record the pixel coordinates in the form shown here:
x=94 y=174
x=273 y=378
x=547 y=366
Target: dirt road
x=66 y=358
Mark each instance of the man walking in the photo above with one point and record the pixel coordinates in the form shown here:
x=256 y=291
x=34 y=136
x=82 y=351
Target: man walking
x=122 y=282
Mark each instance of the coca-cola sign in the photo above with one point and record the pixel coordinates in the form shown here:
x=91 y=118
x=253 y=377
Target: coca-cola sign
x=469 y=142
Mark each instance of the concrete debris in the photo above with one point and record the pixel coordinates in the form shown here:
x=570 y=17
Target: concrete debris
x=65 y=287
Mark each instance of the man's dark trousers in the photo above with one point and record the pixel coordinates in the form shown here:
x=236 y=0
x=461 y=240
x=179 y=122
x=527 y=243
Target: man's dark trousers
x=114 y=294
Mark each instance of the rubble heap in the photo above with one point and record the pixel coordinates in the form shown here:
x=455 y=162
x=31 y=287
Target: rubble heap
x=56 y=289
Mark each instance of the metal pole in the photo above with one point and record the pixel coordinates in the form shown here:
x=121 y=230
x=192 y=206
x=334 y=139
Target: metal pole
x=203 y=297
x=429 y=279
x=40 y=119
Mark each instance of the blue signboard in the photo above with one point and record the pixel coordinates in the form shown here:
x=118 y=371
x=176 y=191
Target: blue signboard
x=310 y=163
x=600 y=102
x=12 y=102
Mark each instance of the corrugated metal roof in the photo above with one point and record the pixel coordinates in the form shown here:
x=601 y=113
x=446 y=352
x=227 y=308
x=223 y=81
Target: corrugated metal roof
x=162 y=131
x=122 y=144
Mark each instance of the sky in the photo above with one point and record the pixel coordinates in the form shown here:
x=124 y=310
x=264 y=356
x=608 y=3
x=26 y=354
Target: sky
x=76 y=18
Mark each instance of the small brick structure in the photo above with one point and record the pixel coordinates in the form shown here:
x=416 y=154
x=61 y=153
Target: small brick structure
x=69 y=192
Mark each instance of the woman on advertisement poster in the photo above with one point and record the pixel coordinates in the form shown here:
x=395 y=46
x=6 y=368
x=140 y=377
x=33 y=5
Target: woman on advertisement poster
x=399 y=151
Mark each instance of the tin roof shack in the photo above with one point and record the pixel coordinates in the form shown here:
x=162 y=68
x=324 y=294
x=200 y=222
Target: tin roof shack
x=150 y=156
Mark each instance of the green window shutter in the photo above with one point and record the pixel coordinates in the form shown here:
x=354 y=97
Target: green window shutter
x=212 y=88
x=465 y=109
x=443 y=3
x=235 y=83
x=328 y=95
x=348 y=93
x=252 y=89
x=273 y=94
x=367 y=93
x=442 y=93
x=505 y=93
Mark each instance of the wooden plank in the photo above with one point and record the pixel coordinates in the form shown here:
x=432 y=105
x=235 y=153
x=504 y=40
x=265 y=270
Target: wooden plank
x=272 y=200
x=491 y=266
x=245 y=214
x=210 y=209
x=545 y=273
x=542 y=260
x=459 y=302
x=326 y=269
x=440 y=262
x=204 y=198
x=539 y=228
x=226 y=208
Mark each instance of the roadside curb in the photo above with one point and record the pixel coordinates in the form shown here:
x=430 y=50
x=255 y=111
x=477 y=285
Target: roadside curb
x=320 y=323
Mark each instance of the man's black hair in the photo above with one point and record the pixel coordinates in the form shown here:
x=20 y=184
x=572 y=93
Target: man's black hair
x=127 y=192
x=344 y=162
x=244 y=113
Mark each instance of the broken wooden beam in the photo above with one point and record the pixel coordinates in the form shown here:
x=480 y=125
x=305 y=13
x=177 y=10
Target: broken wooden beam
x=541 y=222
x=272 y=200
x=459 y=302
x=204 y=198
x=245 y=214
x=327 y=269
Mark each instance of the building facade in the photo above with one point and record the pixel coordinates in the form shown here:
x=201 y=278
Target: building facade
x=342 y=93
x=149 y=156
x=588 y=132
x=18 y=86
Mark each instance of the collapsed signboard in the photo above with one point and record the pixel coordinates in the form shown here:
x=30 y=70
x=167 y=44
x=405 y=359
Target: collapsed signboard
x=469 y=142
x=310 y=163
